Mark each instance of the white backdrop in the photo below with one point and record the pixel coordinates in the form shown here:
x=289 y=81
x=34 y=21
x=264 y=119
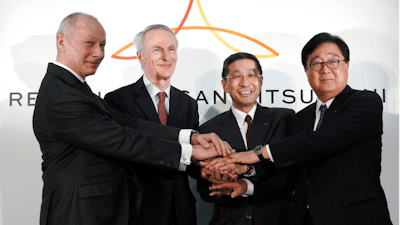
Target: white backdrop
x=27 y=37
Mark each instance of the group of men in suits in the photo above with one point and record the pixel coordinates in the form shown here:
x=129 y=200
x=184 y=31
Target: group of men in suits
x=333 y=149
x=126 y=160
x=88 y=147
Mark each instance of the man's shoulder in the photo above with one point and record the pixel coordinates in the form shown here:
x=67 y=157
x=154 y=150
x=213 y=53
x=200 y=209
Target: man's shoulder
x=211 y=123
x=122 y=90
x=365 y=94
x=182 y=95
x=276 y=111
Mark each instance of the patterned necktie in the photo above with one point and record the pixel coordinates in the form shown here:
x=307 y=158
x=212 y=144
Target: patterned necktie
x=323 y=109
x=86 y=85
x=162 y=112
x=248 y=121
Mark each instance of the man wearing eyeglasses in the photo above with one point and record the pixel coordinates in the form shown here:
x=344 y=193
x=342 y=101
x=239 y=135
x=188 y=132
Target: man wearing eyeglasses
x=335 y=145
x=244 y=126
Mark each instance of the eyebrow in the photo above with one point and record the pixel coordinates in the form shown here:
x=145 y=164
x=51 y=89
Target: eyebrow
x=252 y=70
x=329 y=53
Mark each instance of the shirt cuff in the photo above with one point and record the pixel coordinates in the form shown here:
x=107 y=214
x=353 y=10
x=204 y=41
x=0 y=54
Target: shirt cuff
x=184 y=136
x=250 y=188
x=252 y=174
x=186 y=154
x=269 y=153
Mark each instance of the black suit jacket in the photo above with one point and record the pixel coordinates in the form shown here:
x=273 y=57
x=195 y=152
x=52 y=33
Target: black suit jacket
x=338 y=165
x=85 y=144
x=269 y=125
x=164 y=192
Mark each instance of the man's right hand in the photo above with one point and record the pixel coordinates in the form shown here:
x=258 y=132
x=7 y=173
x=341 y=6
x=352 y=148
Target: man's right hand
x=201 y=153
x=234 y=189
x=222 y=147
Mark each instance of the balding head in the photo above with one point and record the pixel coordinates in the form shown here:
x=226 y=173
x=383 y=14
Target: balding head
x=80 y=43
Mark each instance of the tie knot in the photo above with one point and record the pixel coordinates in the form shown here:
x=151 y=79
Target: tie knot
x=323 y=108
x=248 y=119
x=162 y=96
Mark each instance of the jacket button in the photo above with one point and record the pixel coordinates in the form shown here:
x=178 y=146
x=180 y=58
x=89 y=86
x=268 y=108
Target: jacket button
x=168 y=198
x=249 y=217
x=308 y=181
x=126 y=186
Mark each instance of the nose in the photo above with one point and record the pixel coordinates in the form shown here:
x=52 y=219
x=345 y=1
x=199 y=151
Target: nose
x=165 y=55
x=325 y=68
x=244 y=80
x=98 y=52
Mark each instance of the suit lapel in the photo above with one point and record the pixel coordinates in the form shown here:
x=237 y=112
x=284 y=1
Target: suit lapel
x=174 y=108
x=231 y=131
x=259 y=127
x=336 y=105
x=71 y=80
x=144 y=102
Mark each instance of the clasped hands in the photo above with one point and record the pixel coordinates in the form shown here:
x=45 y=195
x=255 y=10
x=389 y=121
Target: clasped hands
x=223 y=174
x=220 y=164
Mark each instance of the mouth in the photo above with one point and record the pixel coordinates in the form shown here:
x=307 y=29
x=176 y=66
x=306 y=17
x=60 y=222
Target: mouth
x=165 y=65
x=95 y=63
x=245 y=92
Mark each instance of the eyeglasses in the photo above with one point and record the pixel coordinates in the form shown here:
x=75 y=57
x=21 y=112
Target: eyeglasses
x=250 y=77
x=331 y=64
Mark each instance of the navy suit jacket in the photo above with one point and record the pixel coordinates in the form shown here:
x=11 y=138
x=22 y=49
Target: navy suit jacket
x=164 y=192
x=268 y=125
x=338 y=166
x=85 y=144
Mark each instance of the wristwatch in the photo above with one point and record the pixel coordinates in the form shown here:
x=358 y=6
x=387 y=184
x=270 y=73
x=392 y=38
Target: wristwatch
x=258 y=150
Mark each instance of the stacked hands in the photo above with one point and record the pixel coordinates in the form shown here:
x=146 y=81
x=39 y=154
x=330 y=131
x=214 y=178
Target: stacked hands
x=221 y=165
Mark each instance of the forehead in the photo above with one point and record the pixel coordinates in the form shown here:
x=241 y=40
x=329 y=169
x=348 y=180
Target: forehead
x=159 y=36
x=88 y=28
x=242 y=65
x=326 y=50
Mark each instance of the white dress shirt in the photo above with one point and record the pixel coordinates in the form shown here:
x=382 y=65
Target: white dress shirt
x=242 y=124
x=184 y=134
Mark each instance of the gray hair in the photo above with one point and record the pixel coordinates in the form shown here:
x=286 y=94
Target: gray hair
x=139 y=38
x=70 y=21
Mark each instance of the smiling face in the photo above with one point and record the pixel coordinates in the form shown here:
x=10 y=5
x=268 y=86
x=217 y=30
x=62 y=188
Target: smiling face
x=243 y=91
x=327 y=83
x=159 y=55
x=81 y=47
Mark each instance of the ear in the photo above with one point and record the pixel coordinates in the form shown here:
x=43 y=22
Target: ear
x=60 y=42
x=223 y=82
x=140 y=57
x=261 y=81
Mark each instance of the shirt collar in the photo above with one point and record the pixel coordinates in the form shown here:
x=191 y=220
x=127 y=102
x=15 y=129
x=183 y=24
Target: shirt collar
x=240 y=116
x=153 y=90
x=319 y=103
x=70 y=70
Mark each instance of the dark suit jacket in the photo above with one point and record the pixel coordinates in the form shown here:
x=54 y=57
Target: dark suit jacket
x=339 y=165
x=164 y=192
x=84 y=144
x=269 y=125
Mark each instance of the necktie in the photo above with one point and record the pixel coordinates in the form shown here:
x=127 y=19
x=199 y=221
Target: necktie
x=323 y=109
x=84 y=83
x=248 y=121
x=162 y=112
